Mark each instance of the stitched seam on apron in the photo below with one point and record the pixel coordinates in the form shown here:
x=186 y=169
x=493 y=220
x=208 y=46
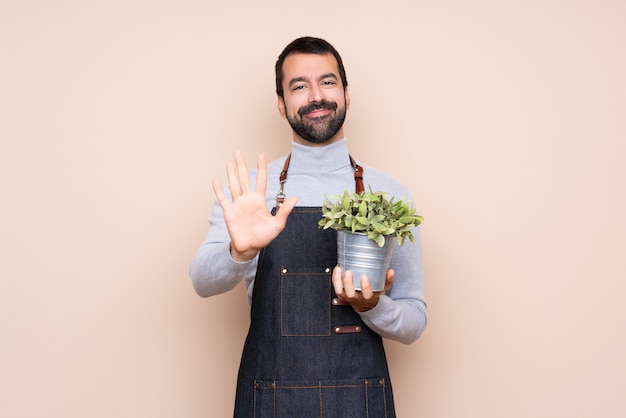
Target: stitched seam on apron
x=254 y=400
x=319 y=391
x=384 y=396
x=367 y=402
x=278 y=387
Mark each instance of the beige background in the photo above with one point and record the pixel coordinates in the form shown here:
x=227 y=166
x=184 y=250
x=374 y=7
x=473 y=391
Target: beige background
x=505 y=118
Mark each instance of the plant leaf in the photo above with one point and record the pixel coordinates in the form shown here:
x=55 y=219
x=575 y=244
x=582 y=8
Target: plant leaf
x=380 y=240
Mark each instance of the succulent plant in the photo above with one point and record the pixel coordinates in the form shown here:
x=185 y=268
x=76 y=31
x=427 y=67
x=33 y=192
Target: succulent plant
x=370 y=213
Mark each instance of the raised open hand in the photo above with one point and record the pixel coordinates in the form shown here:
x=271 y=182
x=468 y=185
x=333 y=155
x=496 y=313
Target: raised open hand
x=249 y=222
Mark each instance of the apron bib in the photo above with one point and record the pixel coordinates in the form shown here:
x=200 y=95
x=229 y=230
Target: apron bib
x=307 y=353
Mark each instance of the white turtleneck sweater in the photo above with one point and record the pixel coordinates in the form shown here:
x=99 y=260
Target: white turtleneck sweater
x=314 y=173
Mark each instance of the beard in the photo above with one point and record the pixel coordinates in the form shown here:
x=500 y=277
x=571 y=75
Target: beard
x=318 y=130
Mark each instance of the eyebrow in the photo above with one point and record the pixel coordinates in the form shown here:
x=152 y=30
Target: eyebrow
x=322 y=77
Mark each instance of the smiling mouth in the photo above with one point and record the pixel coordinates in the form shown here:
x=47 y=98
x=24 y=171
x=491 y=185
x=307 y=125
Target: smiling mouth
x=317 y=114
x=317 y=110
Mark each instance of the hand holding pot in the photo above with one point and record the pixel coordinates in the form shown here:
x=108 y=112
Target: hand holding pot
x=362 y=300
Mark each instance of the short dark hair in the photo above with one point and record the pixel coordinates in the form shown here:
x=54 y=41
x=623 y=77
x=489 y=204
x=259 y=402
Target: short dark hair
x=307 y=45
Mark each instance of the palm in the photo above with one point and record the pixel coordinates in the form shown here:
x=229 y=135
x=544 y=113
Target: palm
x=250 y=224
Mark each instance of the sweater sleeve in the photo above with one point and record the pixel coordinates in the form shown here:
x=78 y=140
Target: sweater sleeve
x=401 y=314
x=213 y=270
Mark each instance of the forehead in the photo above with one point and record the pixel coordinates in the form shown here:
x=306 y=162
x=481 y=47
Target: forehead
x=309 y=66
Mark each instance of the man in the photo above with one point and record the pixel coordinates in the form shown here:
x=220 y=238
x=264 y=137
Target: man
x=314 y=346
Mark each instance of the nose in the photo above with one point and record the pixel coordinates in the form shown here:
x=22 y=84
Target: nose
x=315 y=94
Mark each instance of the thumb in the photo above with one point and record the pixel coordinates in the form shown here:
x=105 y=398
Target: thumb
x=286 y=208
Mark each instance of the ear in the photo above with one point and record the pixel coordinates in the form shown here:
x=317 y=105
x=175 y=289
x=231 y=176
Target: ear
x=281 y=107
x=347 y=96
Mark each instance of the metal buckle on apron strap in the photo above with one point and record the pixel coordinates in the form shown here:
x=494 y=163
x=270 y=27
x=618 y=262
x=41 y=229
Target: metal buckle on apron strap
x=358 y=175
x=280 y=197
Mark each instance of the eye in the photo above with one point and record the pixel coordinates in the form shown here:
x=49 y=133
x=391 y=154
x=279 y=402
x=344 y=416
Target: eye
x=329 y=82
x=298 y=87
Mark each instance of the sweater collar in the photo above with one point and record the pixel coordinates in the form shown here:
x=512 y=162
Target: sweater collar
x=320 y=159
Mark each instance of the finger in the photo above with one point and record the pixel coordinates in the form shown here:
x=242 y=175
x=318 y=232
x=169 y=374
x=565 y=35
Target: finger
x=366 y=288
x=348 y=284
x=261 y=176
x=219 y=194
x=337 y=281
x=285 y=209
x=242 y=172
x=391 y=275
x=233 y=180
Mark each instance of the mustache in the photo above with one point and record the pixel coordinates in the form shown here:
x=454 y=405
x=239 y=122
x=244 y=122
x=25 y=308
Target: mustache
x=317 y=106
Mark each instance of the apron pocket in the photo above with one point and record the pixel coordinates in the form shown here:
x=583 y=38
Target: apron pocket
x=325 y=398
x=305 y=302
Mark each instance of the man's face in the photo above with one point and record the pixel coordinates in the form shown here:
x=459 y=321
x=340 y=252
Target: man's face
x=315 y=101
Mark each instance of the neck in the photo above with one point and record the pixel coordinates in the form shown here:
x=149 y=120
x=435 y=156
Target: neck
x=335 y=138
x=327 y=158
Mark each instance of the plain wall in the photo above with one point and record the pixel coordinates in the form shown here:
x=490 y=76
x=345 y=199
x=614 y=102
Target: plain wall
x=506 y=119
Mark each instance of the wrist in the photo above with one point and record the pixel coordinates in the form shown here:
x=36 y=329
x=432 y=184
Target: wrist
x=365 y=308
x=242 y=256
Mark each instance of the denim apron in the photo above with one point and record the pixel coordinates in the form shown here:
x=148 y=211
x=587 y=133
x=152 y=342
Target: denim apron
x=308 y=353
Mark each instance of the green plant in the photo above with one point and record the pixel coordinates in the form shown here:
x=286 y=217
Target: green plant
x=370 y=213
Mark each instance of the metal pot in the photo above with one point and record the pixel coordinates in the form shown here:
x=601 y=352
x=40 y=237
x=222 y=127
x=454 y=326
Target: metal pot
x=361 y=255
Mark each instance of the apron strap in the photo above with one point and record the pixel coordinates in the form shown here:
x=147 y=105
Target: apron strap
x=358 y=180
x=280 y=197
x=358 y=175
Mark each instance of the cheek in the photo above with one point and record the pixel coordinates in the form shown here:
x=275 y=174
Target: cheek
x=291 y=107
x=341 y=100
